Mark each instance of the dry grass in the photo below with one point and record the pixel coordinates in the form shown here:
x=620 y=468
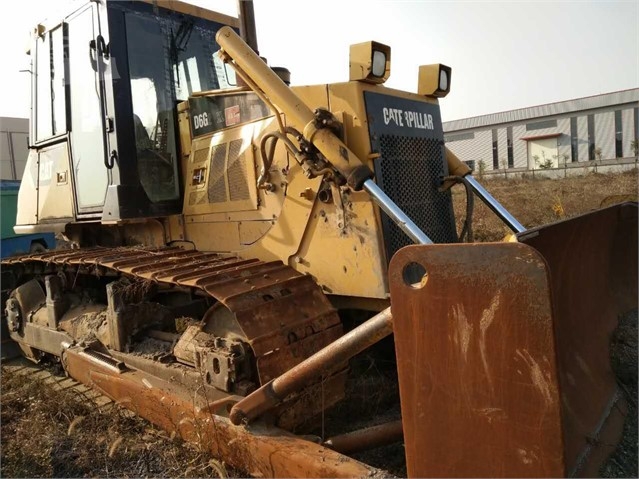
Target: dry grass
x=536 y=201
x=50 y=433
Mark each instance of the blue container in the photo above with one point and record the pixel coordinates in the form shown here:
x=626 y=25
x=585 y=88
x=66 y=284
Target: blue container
x=12 y=243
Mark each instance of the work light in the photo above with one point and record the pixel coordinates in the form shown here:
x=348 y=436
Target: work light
x=369 y=62
x=434 y=80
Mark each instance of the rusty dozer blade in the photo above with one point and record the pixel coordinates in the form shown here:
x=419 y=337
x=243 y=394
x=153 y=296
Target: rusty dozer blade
x=593 y=270
x=503 y=349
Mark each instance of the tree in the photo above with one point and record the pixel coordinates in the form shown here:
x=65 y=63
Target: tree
x=504 y=165
x=598 y=153
x=482 y=168
x=545 y=163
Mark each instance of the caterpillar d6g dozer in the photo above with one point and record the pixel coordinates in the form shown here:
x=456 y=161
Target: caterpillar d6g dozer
x=241 y=269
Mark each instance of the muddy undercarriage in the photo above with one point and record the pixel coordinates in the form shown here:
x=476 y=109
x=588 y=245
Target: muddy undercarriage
x=181 y=336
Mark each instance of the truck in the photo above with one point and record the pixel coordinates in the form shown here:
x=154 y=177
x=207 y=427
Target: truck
x=239 y=247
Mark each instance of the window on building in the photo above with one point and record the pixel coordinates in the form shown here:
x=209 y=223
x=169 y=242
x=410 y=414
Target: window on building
x=459 y=137
x=540 y=125
x=509 y=143
x=618 y=135
x=637 y=124
x=495 y=151
x=574 y=139
x=591 y=137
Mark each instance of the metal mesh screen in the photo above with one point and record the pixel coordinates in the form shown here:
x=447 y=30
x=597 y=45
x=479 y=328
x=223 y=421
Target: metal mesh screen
x=197 y=198
x=201 y=155
x=217 y=175
x=238 y=181
x=409 y=171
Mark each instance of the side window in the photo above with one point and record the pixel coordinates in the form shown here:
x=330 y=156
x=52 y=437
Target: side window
x=43 y=88
x=58 y=79
x=153 y=109
x=50 y=89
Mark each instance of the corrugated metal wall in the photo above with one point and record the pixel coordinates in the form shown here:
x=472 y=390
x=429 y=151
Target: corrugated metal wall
x=550 y=109
x=14 y=147
x=563 y=142
x=605 y=134
x=582 y=131
x=476 y=149
x=628 y=124
x=603 y=108
x=502 y=147
x=520 y=147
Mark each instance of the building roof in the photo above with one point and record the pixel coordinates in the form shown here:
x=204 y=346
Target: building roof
x=549 y=109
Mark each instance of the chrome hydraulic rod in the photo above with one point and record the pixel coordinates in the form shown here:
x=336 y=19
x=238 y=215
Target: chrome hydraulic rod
x=457 y=168
x=495 y=206
x=325 y=360
x=396 y=214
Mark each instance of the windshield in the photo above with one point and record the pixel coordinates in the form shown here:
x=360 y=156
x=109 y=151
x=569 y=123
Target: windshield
x=170 y=56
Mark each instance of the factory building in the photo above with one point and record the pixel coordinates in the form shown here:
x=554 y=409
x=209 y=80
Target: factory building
x=601 y=130
x=14 y=147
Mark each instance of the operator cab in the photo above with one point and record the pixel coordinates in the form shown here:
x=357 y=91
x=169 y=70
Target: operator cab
x=106 y=80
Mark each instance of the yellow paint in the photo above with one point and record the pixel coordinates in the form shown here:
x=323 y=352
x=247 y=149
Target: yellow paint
x=338 y=242
x=27 y=206
x=55 y=199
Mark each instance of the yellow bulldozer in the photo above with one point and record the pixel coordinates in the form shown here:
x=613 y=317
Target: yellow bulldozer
x=245 y=253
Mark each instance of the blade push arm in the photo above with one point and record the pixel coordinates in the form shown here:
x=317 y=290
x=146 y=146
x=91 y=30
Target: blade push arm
x=457 y=168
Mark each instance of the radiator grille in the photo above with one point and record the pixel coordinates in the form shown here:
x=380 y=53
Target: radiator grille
x=217 y=177
x=197 y=198
x=238 y=181
x=409 y=171
x=201 y=155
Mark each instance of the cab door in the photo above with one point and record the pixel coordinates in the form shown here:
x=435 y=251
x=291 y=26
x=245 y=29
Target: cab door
x=89 y=142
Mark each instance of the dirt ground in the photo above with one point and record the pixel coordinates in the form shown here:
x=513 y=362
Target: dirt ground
x=535 y=201
x=52 y=433
x=47 y=433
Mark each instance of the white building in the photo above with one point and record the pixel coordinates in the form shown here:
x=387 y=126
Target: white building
x=14 y=147
x=598 y=130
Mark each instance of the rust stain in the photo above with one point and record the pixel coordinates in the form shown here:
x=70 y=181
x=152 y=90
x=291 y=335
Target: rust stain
x=493 y=414
x=465 y=389
x=527 y=456
x=539 y=380
x=464 y=329
x=264 y=450
x=487 y=318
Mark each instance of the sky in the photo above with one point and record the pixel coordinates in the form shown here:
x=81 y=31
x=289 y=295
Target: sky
x=504 y=55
